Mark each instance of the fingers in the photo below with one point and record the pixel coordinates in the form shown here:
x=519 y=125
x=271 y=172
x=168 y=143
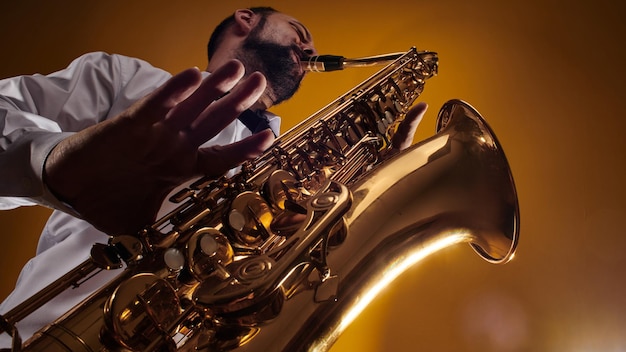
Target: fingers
x=406 y=130
x=178 y=88
x=207 y=111
x=222 y=112
x=211 y=89
x=217 y=160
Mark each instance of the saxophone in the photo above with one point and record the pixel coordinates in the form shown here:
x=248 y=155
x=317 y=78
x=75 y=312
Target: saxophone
x=283 y=255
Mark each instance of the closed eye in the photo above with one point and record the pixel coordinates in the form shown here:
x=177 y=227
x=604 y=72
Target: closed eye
x=302 y=32
x=299 y=32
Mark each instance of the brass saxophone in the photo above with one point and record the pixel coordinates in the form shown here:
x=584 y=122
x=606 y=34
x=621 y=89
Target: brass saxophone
x=283 y=255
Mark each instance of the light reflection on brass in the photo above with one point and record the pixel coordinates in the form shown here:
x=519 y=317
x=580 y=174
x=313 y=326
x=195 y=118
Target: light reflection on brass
x=253 y=218
x=139 y=308
x=202 y=264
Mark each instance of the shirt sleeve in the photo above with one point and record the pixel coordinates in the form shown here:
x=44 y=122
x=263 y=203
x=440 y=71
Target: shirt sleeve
x=38 y=111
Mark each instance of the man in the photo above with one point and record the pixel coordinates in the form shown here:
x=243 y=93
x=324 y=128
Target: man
x=105 y=140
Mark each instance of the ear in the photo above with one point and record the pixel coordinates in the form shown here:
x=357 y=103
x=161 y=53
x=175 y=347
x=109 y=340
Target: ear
x=245 y=20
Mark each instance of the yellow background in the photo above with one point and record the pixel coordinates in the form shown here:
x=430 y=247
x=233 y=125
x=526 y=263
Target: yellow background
x=548 y=75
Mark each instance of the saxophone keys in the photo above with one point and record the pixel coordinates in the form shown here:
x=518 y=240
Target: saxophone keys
x=281 y=188
x=208 y=251
x=138 y=310
x=249 y=218
x=247 y=286
x=174 y=259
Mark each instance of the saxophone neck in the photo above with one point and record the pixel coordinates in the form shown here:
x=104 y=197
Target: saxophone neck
x=327 y=63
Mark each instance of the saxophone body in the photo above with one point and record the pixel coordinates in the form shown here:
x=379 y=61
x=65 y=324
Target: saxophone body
x=286 y=253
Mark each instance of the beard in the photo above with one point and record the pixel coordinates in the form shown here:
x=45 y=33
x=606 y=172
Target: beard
x=275 y=62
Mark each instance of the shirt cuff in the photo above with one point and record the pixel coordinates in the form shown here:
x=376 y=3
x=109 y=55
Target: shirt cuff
x=24 y=163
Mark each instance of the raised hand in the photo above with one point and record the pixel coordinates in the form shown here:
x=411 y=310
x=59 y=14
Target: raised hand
x=117 y=173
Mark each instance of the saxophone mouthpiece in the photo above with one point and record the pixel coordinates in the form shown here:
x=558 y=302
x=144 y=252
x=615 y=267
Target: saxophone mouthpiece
x=323 y=63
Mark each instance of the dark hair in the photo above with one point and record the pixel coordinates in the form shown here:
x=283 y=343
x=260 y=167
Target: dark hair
x=218 y=33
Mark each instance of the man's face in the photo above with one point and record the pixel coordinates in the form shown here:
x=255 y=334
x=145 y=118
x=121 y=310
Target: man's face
x=274 y=47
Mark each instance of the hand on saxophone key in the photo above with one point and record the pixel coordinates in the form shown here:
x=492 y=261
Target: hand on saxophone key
x=406 y=130
x=117 y=173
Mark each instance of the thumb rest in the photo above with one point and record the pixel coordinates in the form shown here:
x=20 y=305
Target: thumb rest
x=288 y=251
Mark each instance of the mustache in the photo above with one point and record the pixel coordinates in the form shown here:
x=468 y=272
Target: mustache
x=300 y=53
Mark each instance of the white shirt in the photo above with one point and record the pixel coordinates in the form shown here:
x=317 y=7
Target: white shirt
x=37 y=112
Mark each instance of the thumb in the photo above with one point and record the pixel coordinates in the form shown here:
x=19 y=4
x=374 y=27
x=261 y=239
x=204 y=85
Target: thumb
x=403 y=138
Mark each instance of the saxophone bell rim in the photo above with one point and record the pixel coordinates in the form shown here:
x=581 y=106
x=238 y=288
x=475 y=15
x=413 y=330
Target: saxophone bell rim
x=513 y=228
